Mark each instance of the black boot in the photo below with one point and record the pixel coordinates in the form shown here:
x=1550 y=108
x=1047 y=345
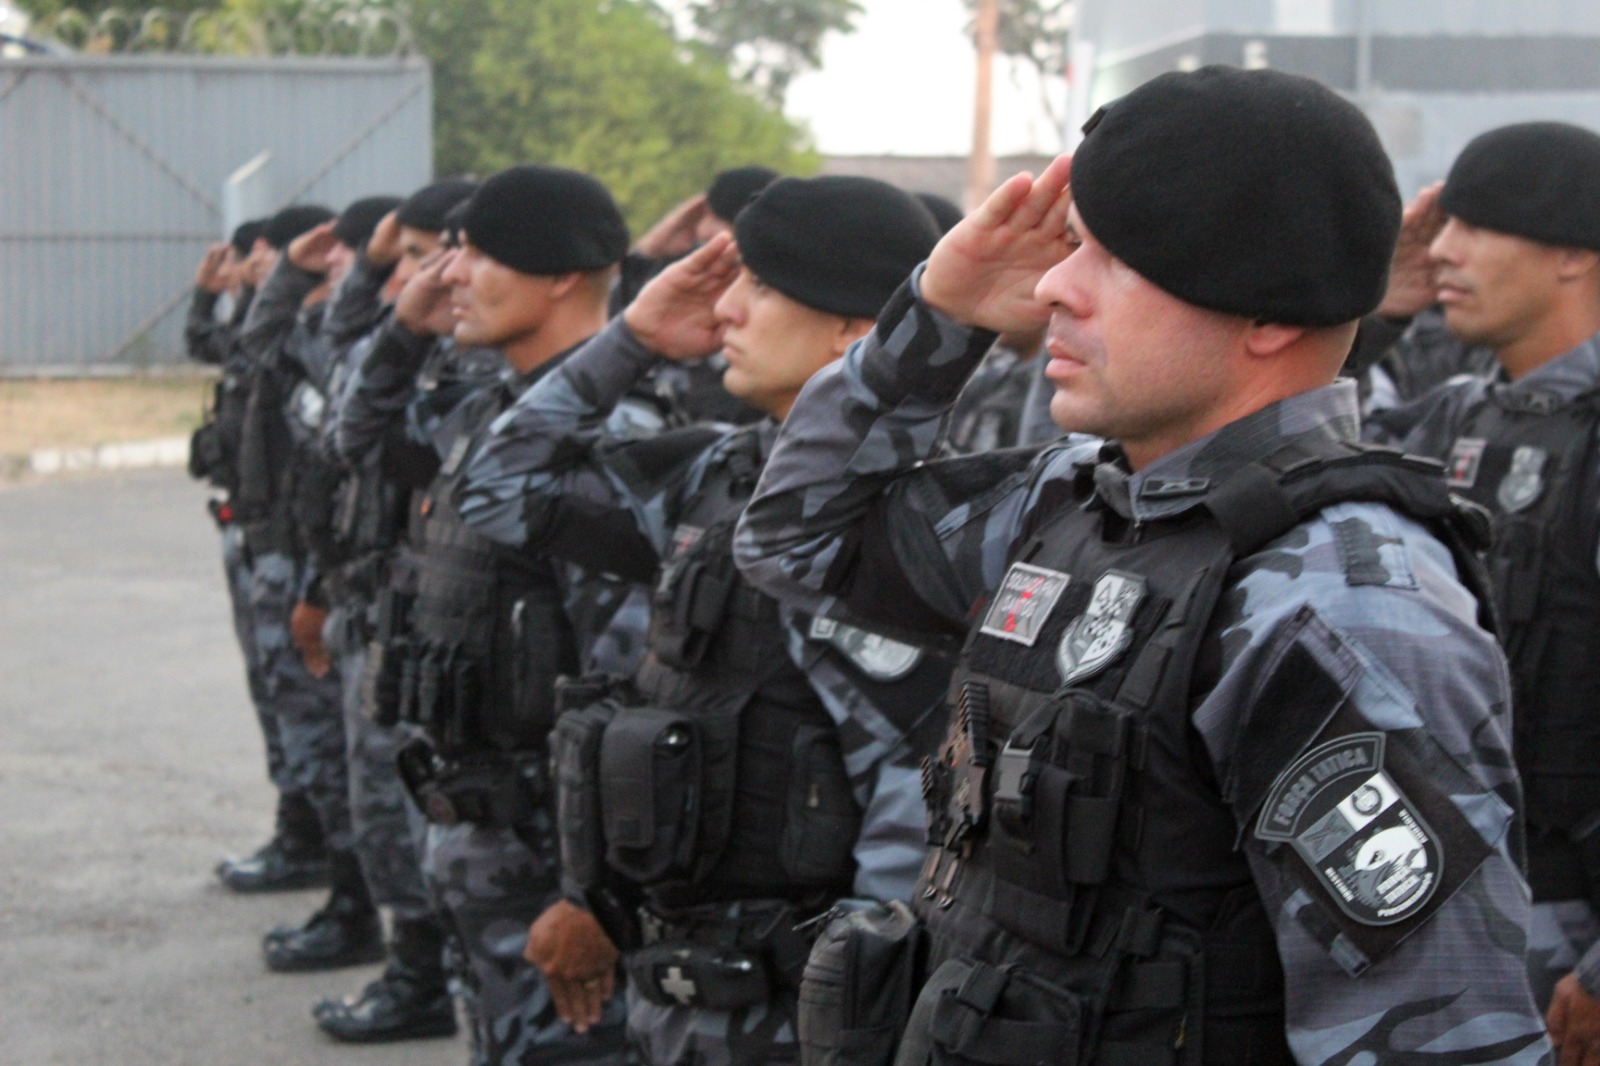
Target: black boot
x=293 y=859
x=345 y=932
x=410 y=1001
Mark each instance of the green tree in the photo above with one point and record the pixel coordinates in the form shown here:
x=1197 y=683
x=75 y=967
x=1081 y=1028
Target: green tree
x=768 y=42
x=605 y=88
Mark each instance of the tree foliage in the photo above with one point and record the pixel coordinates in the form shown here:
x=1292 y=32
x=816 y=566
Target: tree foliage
x=768 y=42
x=1037 y=32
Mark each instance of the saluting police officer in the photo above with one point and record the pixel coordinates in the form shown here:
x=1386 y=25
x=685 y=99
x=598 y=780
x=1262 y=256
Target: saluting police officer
x=493 y=628
x=1517 y=255
x=760 y=766
x=1228 y=776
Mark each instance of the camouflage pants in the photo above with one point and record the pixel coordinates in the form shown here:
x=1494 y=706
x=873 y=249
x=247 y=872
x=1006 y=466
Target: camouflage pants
x=689 y=1036
x=385 y=824
x=308 y=710
x=491 y=887
x=238 y=577
x=1558 y=936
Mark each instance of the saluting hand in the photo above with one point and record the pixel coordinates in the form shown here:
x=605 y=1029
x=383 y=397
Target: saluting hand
x=423 y=306
x=212 y=274
x=383 y=247
x=674 y=315
x=984 y=271
x=674 y=234
x=1413 y=275
x=309 y=251
x=578 y=961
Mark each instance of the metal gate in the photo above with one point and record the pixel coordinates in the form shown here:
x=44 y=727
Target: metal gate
x=111 y=183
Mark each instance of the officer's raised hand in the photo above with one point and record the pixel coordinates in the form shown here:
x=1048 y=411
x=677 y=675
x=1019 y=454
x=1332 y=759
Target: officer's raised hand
x=675 y=233
x=309 y=251
x=212 y=274
x=1413 y=275
x=578 y=961
x=674 y=315
x=423 y=306
x=383 y=247
x=984 y=271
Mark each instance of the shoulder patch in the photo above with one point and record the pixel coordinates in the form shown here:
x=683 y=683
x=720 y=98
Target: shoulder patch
x=1025 y=598
x=880 y=658
x=1356 y=831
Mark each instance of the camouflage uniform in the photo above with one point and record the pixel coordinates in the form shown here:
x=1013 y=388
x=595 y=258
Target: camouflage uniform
x=946 y=533
x=1424 y=356
x=491 y=882
x=1541 y=508
x=1001 y=401
x=278 y=339
x=549 y=479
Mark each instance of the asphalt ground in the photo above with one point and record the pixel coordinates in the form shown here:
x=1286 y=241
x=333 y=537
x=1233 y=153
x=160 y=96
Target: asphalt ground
x=130 y=762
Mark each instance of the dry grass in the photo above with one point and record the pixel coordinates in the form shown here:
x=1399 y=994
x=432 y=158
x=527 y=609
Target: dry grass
x=84 y=413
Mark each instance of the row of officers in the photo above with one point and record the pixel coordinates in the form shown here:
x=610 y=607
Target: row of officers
x=834 y=630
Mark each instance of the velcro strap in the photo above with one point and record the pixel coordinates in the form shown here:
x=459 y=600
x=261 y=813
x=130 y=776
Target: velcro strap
x=1252 y=508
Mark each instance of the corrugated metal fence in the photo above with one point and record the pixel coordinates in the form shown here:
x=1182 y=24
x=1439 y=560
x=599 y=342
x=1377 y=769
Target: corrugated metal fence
x=111 y=183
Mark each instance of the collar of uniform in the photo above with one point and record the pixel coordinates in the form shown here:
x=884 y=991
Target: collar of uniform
x=1565 y=377
x=516 y=384
x=1179 y=480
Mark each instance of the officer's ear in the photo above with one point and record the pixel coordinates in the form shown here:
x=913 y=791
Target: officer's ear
x=1574 y=264
x=1263 y=339
x=850 y=330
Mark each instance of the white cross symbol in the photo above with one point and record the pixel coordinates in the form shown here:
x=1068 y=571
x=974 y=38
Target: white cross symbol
x=678 y=986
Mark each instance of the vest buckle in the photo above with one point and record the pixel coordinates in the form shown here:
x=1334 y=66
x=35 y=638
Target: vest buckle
x=1016 y=774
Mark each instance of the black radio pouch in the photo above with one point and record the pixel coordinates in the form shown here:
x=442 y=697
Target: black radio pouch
x=650 y=761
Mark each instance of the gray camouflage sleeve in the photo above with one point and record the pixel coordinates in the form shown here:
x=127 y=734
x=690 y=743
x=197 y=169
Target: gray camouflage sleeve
x=275 y=309
x=851 y=520
x=1352 y=633
x=544 y=479
x=204 y=336
x=357 y=305
x=382 y=389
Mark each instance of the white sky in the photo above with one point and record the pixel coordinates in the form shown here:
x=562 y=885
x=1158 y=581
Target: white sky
x=902 y=84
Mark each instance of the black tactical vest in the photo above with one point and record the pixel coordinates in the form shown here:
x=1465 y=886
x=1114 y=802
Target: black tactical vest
x=1087 y=898
x=1526 y=457
x=728 y=781
x=490 y=632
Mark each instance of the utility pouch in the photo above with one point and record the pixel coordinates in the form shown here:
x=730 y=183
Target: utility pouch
x=541 y=652
x=435 y=686
x=860 y=982
x=575 y=756
x=492 y=792
x=650 y=763
x=410 y=682
x=974 y=1014
x=676 y=973
x=691 y=597
x=1056 y=799
x=823 y=820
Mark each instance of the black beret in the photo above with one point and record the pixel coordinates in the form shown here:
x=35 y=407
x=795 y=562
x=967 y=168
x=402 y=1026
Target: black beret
x=426 y=208
x=837 y=244
x=1539 y=180
x=732 y=190
x=245 y=235
x=944 y=212
x=283 y=227
x=1250 y=192
x=546 y=220
x=357 y=221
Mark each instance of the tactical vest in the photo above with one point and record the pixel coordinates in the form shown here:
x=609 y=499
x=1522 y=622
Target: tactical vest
x=723 y=777
x=1527 y=457
x=490 y=633
x=1086 y=894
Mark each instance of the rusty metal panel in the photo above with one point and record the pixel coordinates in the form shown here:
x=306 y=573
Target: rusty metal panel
x=112 y=172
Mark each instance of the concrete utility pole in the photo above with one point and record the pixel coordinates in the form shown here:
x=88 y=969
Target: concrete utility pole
x=980 y=164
